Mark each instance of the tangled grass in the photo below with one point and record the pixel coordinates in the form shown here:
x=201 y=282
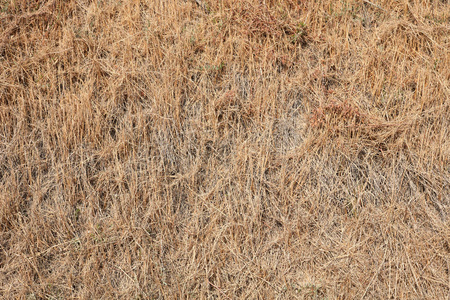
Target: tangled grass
x=224 y=149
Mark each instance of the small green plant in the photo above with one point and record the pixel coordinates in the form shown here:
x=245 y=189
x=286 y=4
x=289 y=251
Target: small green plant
x=299 y=34
x=4 y=6
x=213 y=68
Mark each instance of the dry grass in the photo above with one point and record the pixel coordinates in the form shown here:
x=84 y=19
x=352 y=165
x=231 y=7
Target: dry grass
x=224 y=149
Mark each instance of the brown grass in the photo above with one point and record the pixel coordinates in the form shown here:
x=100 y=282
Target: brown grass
x=224 y=149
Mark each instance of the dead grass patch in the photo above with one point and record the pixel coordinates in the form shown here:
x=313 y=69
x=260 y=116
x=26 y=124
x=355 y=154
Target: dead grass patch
x=224 y=149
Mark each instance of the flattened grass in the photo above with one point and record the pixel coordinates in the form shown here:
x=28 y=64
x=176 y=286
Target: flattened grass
x=224 y=149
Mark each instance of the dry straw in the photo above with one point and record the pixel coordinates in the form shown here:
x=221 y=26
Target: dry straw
x=224 y=149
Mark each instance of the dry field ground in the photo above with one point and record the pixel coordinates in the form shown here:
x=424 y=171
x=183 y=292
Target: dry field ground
x=182 y=149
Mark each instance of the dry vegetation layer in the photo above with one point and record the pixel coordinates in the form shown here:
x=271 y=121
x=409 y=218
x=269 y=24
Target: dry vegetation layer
x=169 y=149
